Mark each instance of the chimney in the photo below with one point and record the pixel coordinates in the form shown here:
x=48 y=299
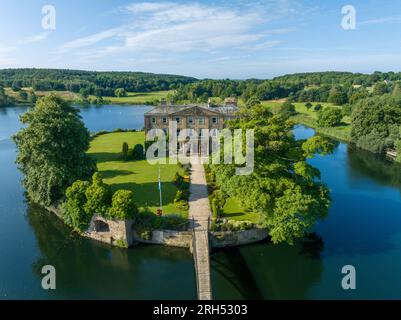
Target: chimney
x=209 y=103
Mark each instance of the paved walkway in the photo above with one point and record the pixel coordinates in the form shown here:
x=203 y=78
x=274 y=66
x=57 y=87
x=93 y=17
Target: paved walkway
x=199 y=210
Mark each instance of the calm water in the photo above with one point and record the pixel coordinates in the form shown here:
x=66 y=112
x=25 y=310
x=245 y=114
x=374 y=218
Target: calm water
x=363 y=229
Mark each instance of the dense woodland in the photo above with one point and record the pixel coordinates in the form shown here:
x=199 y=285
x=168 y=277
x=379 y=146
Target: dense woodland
x=89 y=82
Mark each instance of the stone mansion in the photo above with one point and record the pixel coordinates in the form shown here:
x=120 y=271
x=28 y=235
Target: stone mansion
x=193 y=116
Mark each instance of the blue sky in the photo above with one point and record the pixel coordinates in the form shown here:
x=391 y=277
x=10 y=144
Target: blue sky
x=206 y=39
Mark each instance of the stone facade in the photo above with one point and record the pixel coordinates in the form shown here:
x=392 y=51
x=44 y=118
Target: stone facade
x=238 y=238
x=202 y=119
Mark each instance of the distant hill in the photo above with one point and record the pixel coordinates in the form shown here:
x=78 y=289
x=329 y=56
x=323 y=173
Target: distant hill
x=97 y=83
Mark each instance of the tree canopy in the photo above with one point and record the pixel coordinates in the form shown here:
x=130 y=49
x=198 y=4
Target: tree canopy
x=376 y=123
x=52 y=149
x=283 y=186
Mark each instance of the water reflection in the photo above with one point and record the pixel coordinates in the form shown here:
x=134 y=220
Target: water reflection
x=90 y=270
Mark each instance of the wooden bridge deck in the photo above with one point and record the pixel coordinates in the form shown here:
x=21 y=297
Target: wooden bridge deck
x=199 y=213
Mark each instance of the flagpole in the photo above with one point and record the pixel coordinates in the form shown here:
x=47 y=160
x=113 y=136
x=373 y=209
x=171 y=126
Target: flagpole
x=160 y=191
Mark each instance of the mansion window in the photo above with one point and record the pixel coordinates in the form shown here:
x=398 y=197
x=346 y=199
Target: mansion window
x=201 y=120
x=214 y=120
x=178 y=132
x=190 y=120
x=164 y=120
x=153 y=120
x=177 y=119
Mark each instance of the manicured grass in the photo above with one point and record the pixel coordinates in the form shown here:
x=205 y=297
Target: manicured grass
x=234 y=211
x=138 y=176
x=139 y=97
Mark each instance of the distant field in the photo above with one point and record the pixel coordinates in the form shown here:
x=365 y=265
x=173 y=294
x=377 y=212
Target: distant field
x=140 y=97
x=138 y=176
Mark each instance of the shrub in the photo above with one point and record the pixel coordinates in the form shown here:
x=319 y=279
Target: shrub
x=98 y=196
x=125 y=150
x=123 y=205
x=308 y=105
x=178 y=180
x=318 y=107
x=73 y=211
x=138 y=152
x=286 y=109
x=329 y=117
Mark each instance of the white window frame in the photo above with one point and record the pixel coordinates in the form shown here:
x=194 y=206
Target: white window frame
x=201 y=120
x=153 y=120
x=215 y=120
x=165 y=120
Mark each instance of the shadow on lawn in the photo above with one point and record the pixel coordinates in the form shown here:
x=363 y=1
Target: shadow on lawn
x=105 y=156
x=108 y=174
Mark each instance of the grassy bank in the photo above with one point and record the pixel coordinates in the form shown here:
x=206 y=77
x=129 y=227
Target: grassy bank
x=308 y=117
x=136 y=175
x=139 y=97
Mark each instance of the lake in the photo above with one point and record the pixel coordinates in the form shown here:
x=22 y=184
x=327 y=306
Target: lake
x=363 y=229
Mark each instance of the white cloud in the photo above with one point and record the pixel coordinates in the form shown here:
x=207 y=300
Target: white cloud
x=392 y=19
x=183 y=27
x=34 y=39
x=91 y=40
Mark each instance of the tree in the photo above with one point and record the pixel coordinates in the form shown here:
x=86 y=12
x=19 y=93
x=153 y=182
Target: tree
x=98 y=196
x=23 y=95
x=283 y=186
x=125 y=150
x=329 y=117
x=318 y=107
x=52 y=149
x=120 y=92
x=3 y=97
x=380 y=88
x=73 y=210
x=337 y=97
x=375 y=123
x=138 y=152
x=123 y=206
x=396 y=90
x=286 y=109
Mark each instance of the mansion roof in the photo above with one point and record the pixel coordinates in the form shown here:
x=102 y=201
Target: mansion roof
x=176 y=109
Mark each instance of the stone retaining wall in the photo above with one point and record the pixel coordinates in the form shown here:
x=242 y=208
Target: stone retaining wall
x=223 y=239
x=182 y=239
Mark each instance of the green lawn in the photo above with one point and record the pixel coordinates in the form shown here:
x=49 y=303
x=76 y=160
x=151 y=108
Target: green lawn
x=138 y=176
x=139 y=97
x=234 y=211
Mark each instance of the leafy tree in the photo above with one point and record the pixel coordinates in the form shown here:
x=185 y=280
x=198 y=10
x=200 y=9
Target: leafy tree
x=98 y=196
x=337 y=97
x=52 y=149
x=396 y=90
x=23 y=95
x=73 y=208
x=3 y=97
x=283 y=186
x=138 y=152
x=329 y=117
x=380 y=88
x=318 y=107
x=375 y=123
x=287 y=109
x=123 y=205
x=120 y=92
x=125 y=150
